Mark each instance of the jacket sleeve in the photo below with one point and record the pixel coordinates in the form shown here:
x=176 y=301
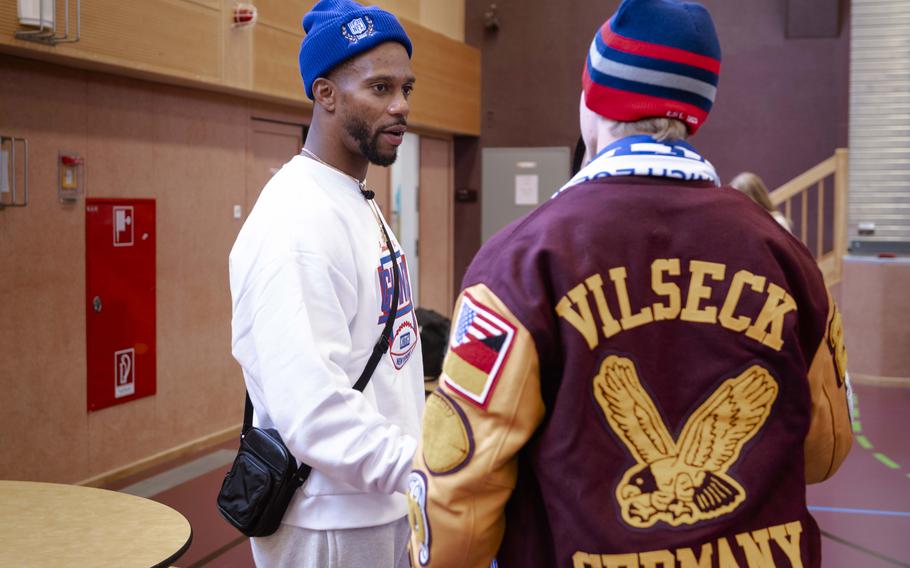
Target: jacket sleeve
x=291 y=337
x=486 y=408
x=830 y=432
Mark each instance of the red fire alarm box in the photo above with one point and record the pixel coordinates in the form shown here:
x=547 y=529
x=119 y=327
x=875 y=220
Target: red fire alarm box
x=120 y=300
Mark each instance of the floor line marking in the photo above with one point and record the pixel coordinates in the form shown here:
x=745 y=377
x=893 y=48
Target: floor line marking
x=877 y=512
x=868 y=551
x=864 y=442
x=886 y=460
x=180 y=474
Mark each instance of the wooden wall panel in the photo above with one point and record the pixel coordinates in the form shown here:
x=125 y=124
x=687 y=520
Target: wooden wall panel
x=236 y=50
x=42 y=284
x=171 y=35
x=436 y=201
x=185 y=149
x=406 y=9
x=379 y=180
x=468 y=176
x=444 y=17
x=192 y=43
x=276 y=70
x=875 y=303
x=447 y=92
x=213 y=4
x=270 y=145
x=284 y=15
x=200 y=145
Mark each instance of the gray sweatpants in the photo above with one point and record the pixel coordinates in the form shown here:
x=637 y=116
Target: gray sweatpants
x=385 y=546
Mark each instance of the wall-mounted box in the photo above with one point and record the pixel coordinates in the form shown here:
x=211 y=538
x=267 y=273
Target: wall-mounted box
x=70 y=177
x=120 y=300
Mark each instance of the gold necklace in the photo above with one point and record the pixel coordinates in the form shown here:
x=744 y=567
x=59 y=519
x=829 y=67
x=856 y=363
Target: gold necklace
x=360 y=184
x=367 y=194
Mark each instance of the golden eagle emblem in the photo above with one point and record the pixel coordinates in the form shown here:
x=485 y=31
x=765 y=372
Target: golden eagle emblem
x=682 y=482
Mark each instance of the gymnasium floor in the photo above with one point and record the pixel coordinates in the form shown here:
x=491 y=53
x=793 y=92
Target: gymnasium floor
x=864 y=511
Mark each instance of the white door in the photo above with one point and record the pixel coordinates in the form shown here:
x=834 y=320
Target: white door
x=404 y=219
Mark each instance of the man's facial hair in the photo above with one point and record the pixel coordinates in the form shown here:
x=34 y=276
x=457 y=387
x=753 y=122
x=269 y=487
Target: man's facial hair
x=368 y=145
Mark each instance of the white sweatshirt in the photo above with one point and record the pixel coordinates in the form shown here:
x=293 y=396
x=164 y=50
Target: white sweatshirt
x=308 y=272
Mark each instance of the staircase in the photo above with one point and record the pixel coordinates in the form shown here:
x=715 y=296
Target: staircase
x=816 y=203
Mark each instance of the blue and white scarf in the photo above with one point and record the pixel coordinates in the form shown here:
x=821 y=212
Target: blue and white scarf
x=641 y=155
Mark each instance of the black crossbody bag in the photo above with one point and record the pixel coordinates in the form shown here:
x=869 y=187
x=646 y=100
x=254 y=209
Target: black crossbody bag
x=258 y=488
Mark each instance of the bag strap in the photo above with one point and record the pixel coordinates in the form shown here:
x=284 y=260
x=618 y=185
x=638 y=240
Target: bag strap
x=385 y=340
x=247 y=415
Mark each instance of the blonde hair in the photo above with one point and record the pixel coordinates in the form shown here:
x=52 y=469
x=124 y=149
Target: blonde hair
x=754 y=187
x=659 y=128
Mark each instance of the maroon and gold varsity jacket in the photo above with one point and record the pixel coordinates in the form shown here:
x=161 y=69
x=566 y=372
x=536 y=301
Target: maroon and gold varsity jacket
x=641 y=373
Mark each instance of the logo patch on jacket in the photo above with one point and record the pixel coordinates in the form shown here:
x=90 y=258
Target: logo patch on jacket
x=478 y=351
x=684 y=481
x=417 y=515
x=448 y=441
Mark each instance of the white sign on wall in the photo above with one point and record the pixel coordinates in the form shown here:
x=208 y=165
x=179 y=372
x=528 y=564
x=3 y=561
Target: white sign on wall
x=526 y=189
x=124 y=372
x=123 y=226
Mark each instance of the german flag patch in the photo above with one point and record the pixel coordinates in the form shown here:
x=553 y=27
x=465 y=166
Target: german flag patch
x=478 y=350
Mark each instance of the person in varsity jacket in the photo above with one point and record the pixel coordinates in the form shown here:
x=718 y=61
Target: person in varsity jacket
x=645 y=371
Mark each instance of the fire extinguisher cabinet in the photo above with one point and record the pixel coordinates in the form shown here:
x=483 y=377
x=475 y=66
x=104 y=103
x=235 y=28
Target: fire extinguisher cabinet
x=120 y=300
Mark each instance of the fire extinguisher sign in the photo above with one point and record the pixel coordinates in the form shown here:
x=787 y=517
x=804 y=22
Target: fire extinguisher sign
x=123 y=226
x=124 y=373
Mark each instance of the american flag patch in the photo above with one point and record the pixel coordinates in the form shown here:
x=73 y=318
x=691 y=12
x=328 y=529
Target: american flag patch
x=477 y=351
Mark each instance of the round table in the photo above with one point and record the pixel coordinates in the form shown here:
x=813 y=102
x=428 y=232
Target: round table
x=48 y=524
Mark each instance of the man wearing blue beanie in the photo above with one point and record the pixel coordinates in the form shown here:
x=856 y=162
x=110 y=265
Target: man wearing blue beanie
x=313 y=275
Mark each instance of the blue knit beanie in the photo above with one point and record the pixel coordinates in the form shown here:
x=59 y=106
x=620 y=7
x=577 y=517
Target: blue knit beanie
x=654 y=58
x=337 y=30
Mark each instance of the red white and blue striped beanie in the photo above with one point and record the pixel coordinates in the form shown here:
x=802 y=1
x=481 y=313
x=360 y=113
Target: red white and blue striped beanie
x=654 y=58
